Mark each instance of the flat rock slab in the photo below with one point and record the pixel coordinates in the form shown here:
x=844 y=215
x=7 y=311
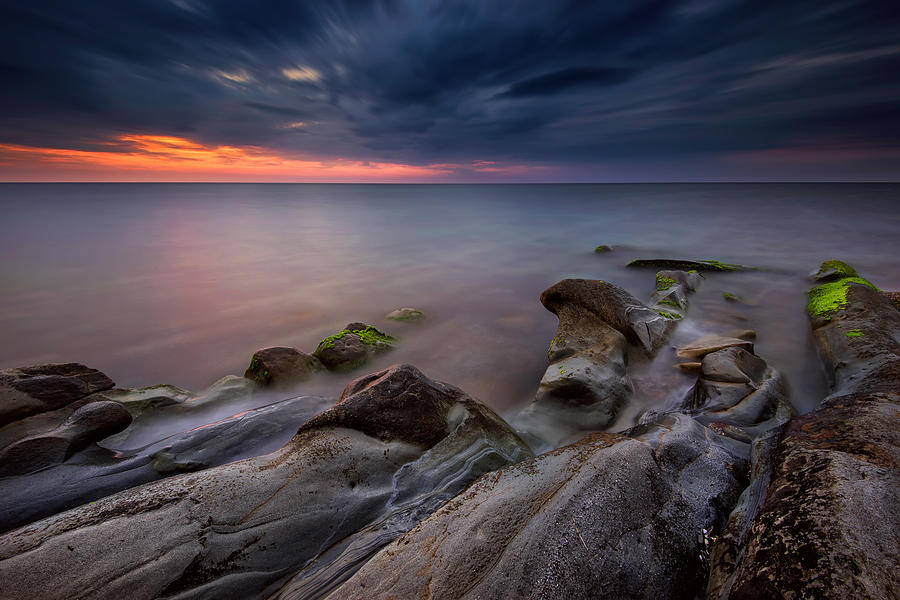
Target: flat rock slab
x=710 y=343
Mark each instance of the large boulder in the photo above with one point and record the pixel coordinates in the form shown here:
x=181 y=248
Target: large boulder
x=613 y=516
x=348 y=482
x=281 y=367
x=27 y=391
x=820 y=518
x=587 y=383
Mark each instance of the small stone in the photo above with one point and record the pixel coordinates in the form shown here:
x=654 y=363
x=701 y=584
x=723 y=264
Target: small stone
x=405 y=314
x=689 y=367
x=710 y=343
x=279 y=366
x=603 y=248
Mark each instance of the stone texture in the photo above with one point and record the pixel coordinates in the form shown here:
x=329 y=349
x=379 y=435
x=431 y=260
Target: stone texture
x=710 y=343
x=281 y=367
x=821 y=516
x=245 y=529
x=405 y=314
x=613 y=516
x=27 y=391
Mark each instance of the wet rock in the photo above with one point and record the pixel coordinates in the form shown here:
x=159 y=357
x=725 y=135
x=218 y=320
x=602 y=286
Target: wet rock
x=733 y=365
x=686 y=265
x=689 y=367
x=603 y=249
x=150 y=398
x=405 y=314
x=90 y=423
x=893 y=297
x=27 y=391
x=833 y=270
x=575 y=301
x=617 y=516
x=744 y=334
x=241 y=530
x=821 y=516
x=352 y=347
x=96 y=473
x=281 y=367
x=710 y=343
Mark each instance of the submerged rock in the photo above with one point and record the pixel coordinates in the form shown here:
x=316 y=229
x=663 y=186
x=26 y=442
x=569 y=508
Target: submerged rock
x=281 y=367
x=348 y=482
x=405 y=314
x=615 y=516
x=686 y=265
x=820 y=518
x=603 y=249
x=352 y=347
x=27 y=391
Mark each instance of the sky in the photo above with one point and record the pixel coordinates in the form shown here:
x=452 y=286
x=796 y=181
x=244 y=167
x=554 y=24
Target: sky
x=454 y=91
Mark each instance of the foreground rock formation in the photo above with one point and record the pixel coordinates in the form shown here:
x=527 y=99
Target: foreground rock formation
x=395 y=440
x=613 y=516
x=820 y=519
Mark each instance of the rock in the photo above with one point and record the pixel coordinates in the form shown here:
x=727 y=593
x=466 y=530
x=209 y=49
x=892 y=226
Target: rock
x=281 y=367
x=405 y=314
x=577 y=300
x=27 y=391
x=672 y=289
x=614 y=516
x=737 y=390
x=729 y=297
x=321 y=504
x=893 y=297
x=744 y=334
x=833 y=270
x=139 y=400
x=352 y=347
x=89 y=476
x=687 y=265
x=689 y=367
x=710 y=343
x=602 y=249
x=89 y=423
x=821 y=516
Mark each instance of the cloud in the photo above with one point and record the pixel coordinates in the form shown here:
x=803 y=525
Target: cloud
x=421 y=82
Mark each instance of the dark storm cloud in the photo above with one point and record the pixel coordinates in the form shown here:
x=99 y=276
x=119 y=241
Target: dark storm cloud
x=425 y=82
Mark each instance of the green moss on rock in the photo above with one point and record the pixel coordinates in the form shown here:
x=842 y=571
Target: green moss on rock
x=828 y=298
x=370 y=336
x=834 y=270
x=684 y=265
x=855 y=333
x=663 y=283
x=669 y=315
x=603 y=248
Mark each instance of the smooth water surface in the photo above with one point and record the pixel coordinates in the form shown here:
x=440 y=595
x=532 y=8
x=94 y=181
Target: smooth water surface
x=180 y=283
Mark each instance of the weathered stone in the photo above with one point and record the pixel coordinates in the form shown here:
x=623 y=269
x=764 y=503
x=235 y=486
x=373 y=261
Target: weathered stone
x=689 y=367
x=281 y=367
x=613 y=516
x=574 y=300
x=821 y=516
x=405 y=314
x=686 y=265
x=242 y=529
x=734 y=365
x=89 y=423
x=27 y=391
x=352 y=347
x=710 y=343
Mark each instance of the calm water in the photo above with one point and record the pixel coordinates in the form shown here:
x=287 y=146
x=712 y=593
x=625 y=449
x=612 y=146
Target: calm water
x=181 y=283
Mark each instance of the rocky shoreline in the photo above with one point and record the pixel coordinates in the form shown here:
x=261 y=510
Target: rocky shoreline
x=407 y=487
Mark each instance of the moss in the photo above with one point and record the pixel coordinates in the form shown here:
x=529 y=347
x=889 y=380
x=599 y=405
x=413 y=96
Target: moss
x=602 y=248
x=855 y=333
x=828 y=298
x=561 y=369
x=694 y=265
x=668 y=302
x=253 y=364
x=835 y=269
x=370 y=336
x=663 y=283
x=731 y=297
x=668 y=315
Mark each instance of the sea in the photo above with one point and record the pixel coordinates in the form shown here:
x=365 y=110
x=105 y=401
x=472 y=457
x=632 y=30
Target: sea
x=181 y=283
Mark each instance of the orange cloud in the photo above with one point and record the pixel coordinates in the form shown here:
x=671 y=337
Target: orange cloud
x=161 y=158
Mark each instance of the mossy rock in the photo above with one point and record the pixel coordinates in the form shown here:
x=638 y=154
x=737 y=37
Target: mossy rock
x=686 y=265
x=834 y=270
x=352 y=346
x=281 y=366
x=603 y=249
x=405 y=314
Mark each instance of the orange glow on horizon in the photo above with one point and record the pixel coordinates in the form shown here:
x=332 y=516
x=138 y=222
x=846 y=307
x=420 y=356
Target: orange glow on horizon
x=170 y=158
